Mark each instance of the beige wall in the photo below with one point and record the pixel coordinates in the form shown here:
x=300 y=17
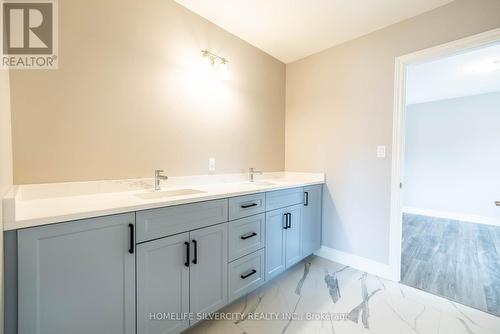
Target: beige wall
x=128 y=97
x=5 y=136
x=339 y=106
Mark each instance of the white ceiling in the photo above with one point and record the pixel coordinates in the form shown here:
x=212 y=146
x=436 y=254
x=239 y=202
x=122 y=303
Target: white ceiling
x=293 y=29
x=470 y=73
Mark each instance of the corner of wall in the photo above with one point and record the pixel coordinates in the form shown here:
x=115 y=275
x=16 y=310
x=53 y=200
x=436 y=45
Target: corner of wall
x=357 y=262
x=6 y=169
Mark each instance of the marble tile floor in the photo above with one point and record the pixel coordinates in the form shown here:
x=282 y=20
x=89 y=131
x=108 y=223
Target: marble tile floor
x=453 y=259
x=351 y=301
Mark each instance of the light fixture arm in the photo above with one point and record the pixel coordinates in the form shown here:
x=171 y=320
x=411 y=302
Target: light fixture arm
x=213 y=57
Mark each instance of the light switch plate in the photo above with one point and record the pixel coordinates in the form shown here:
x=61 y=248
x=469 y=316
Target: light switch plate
x=381 y=151
x=211 y=164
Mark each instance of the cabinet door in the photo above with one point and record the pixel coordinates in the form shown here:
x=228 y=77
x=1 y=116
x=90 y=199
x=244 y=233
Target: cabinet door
x=311 y=220
x=293 y=249
x=162 y=284
x=275 y=243
x=208 y=275
x=77 y=277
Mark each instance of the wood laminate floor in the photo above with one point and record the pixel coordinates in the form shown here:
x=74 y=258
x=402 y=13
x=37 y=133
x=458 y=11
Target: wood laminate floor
x=453 y=259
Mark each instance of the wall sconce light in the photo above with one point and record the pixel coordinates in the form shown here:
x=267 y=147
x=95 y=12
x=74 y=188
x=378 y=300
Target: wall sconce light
x=216 y=63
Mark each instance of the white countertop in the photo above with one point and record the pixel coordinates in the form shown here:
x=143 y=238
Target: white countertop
x=40 y=204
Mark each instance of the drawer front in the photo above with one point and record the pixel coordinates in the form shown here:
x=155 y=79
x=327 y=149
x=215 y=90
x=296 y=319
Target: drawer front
x=244 y=206
x=246 y=274
x=246 y=235
x=158 y=223
x=282 y=198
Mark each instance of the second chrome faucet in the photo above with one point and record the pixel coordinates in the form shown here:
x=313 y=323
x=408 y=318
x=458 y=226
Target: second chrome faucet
x=158 y=178
x=252 y=172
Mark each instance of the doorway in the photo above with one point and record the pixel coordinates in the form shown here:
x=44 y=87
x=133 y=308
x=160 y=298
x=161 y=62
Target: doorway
x=445 y=225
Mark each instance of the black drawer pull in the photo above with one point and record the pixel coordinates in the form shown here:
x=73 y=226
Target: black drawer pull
x=306 y=198
x=132 y=243
x=187 y=254
x=253 y=271
x=246 y=206
x=195 y=258
x=289 y=220
x=246 y=236
x=285 y=215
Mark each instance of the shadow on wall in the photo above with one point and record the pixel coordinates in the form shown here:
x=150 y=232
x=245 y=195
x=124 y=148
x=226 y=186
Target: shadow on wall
x=333 y=228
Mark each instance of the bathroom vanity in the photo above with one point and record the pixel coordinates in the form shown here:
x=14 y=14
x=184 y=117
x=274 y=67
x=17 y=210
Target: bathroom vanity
x=157 y=270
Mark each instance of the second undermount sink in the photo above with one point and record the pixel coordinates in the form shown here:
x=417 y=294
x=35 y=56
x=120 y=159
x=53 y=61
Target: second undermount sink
x=261 y=183
x=169 y=193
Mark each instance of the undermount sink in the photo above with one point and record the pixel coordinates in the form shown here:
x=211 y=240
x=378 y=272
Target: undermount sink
x=261 y=183
x=169 y=193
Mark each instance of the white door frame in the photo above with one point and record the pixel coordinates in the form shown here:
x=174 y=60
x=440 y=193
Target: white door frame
x=398 y=135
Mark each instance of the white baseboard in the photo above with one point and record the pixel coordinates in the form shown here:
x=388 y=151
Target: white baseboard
x=452 y=215
x=363 y=264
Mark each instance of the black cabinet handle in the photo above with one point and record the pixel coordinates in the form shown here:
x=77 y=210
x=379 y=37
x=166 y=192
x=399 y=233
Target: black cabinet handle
x=253 y=271
x=289 y=220
x=286 y=221
x=131 y=235
x=306 y=198
x=246 y=236
x=246 y=206
x=195 y=258
x=187 y=254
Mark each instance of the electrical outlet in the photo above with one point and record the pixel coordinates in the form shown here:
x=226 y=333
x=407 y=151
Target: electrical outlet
x=381 y=151
x=211 y=164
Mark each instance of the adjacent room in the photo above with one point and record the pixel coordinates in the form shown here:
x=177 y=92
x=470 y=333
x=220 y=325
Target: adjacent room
x=451 y=224
x=249 y=167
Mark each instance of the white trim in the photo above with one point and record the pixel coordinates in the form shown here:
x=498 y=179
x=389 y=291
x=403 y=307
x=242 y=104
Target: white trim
x=401 y=63
x=453 y=215
x=373 y=267
x=451 y=48
x=395 y=228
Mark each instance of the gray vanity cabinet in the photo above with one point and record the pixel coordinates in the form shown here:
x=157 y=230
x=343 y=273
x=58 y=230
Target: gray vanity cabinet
x=182 y=273
x=208 y=269
x=162 y=284
x=283 y=234
x=77 y=277
x=275 y=243
x=293 y=249
x=311 y=220
x=128 y=273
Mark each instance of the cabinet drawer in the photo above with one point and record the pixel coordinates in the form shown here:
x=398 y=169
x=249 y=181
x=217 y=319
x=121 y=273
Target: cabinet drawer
x=246 y=274
x=244 y=206
x=158 y=223
x=246 y=235
x=282 y=198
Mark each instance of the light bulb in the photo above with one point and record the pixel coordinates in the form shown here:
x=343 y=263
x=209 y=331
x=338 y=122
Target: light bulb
x=222 y=70
x=207 y=62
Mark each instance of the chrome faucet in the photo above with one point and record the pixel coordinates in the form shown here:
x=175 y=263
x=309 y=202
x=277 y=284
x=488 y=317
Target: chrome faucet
x=158 y=178
x=252 y=172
